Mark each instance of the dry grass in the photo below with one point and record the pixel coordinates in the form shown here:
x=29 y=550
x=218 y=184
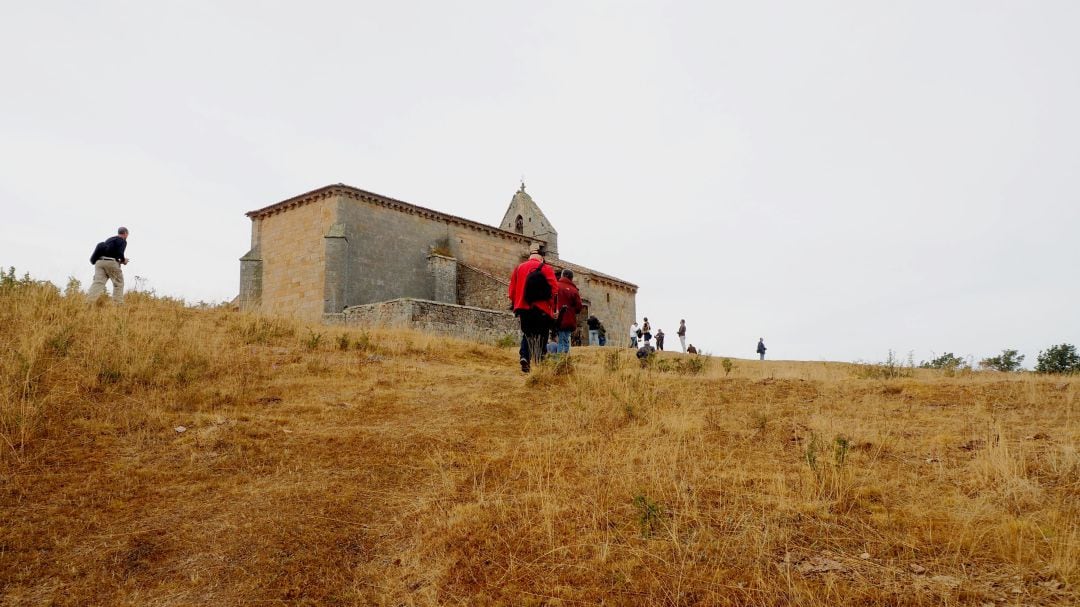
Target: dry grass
x=401 y=469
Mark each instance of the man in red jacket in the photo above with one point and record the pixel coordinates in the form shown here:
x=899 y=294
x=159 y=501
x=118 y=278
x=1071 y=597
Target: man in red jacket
x=536 y=314
x=569 y=306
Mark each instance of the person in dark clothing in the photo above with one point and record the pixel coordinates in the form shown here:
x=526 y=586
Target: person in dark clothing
x=691 y=349
x=644 y=352
x=569 y=306
x=660 y=339
x=107 y=258
x=682 y=334
x=646 y=330
x=602 y=333
x=537 y=317
x=761 y=347
x=594 y=330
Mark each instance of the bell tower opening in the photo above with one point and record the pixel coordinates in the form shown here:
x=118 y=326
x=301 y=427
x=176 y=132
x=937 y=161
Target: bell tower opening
x=524 y=217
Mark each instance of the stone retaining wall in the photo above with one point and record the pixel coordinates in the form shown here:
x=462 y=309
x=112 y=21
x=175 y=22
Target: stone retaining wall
x=465 y=322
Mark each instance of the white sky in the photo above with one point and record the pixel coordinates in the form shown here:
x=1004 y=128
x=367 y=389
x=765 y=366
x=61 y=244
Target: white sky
x=841 y=178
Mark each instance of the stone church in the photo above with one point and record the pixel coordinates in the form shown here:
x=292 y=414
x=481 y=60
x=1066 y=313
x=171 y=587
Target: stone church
x=341 y=254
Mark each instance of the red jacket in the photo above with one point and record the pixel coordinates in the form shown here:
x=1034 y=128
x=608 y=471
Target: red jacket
x=569 y=304
x=517 y=287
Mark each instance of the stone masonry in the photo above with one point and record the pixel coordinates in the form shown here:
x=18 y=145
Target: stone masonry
x=336 y=248
x=464 y=322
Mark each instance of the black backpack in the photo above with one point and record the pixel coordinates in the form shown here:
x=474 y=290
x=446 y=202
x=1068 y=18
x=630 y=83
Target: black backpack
x=99 y=252
x=537 y=287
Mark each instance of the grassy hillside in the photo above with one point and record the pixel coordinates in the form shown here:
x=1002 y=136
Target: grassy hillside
x=330 y=467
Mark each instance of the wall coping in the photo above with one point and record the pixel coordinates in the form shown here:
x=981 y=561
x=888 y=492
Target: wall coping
x=410 y=300
x=484 y=273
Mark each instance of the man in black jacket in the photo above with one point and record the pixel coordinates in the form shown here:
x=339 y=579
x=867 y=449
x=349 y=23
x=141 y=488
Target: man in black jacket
x=107 y=258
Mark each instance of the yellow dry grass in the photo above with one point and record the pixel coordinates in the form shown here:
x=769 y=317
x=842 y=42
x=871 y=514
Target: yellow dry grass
x=394 y=468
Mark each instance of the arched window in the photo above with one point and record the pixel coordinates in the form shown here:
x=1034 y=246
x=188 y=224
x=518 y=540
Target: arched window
x=519 y=225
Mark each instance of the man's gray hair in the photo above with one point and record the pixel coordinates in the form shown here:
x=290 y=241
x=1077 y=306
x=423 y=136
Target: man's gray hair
x=121 y=230
x=569 y=274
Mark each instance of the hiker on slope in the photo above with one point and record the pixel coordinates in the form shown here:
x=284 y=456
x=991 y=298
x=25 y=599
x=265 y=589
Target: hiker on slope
x=533 y=291
x=569 y=306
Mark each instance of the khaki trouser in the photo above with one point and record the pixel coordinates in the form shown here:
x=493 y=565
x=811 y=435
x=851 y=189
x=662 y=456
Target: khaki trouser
x=107 y=269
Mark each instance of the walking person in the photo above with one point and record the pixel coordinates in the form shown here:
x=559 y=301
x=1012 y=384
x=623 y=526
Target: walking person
x=569 y=306
x=682 y=335
x=533 y=291
x=107 y=258
x=660 y=339
x=634 y=332
x=594 y=330
x=761 y=347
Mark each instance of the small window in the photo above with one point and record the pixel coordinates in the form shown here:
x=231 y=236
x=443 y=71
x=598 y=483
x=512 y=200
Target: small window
x=519 y=225
x=608 y=297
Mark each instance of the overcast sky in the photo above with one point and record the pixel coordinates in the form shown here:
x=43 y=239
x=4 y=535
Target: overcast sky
x=841 y=178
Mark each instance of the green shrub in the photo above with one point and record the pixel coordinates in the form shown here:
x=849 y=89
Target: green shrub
x=1061 y=358
x=650 y=514
x=313 y=339
x=728 y=365
x=1008 y=361
x=947 y=361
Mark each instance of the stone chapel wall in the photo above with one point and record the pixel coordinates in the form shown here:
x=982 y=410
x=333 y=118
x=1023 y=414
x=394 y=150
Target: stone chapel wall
x=389 y=249
x=292 y=248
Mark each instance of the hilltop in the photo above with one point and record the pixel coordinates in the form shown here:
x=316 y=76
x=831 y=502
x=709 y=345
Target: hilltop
x=157 y=454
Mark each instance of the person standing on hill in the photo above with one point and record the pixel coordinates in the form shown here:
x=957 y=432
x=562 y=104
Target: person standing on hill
x=594 y=330
x=660 y=339
x=761 y=347
x=533 y=291
x=107 y=258
x=569 y=307
x=646 y=329
x=682 y=335
x=634 y=332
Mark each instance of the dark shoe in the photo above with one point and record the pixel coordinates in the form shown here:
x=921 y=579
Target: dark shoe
x=524 y=365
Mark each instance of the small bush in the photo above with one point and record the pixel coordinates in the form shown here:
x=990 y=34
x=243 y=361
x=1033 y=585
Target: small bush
x=1008 y=361
x=363 y=343
x=507 y=341
x=613 y=360
x=947 y=362
x=691 y=365
x=891 y=368
x=650 y=515
x=728 y=364
x=343 y=342
x=313 y=339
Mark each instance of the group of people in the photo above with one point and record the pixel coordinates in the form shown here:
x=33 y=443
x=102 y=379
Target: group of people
x=547 y=305
x=544 y=303
x=641 y=340
x=643 y=335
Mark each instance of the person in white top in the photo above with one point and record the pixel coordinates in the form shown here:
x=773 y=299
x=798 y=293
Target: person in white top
x=633 y=335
